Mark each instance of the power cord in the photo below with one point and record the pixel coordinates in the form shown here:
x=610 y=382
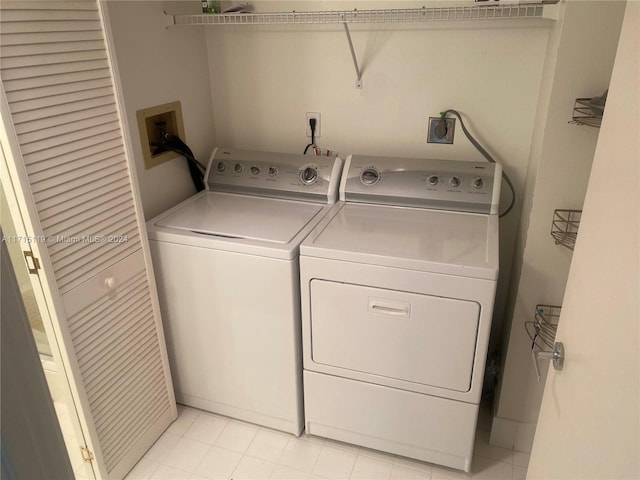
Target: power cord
x=442 y=126
x=312 y=126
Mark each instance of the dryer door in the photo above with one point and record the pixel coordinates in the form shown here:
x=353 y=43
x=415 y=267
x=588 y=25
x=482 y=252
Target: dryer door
x=397 y=335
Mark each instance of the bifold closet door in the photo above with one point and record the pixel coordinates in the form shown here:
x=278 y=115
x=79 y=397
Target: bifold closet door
x=67 y=159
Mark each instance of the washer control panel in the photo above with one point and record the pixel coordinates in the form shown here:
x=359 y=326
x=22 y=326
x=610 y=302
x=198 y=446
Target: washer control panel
x=281 y=175
x=439 y=184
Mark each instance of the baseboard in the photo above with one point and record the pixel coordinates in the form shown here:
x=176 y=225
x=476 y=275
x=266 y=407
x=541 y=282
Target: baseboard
x=512 y=434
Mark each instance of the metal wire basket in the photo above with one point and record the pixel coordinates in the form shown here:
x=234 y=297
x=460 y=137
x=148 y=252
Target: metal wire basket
x=564 y=228
x=542 y=329
x=586 y=113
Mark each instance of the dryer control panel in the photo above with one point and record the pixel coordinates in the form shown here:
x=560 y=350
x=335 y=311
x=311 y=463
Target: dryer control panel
x=269 y=174
x=423 y=183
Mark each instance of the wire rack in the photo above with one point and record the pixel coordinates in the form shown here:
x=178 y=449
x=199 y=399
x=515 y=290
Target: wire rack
x=564 y=227
x=585 y=113
x=424 y=14
x=542 y=329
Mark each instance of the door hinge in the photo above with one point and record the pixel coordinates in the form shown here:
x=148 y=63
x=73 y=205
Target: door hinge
x=34 y=265
x=87 y=455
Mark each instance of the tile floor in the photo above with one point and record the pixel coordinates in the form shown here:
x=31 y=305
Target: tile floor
x=204 y=446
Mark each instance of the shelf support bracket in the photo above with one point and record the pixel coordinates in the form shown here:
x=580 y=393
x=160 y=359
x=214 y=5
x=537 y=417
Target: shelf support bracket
x=353 y=56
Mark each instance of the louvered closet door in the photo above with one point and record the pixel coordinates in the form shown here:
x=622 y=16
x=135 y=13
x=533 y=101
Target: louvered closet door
x=62 y=127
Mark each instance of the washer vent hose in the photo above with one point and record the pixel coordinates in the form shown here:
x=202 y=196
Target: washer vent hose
x=172 y=143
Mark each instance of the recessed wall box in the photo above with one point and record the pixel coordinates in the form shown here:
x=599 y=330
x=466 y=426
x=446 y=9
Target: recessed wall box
x=169 y=116
x=432 y=134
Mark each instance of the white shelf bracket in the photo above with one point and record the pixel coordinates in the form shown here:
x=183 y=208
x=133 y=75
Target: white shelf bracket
x=353 y=56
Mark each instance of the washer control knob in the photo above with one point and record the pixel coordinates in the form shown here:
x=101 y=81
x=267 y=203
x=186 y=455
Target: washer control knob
x=238 y=168
x=370 y=176
x=455 y=182
x=309 y=175
x=478 y=183
x=255 y=170
x=273 y=171
x=221 y=166
x=433 y=180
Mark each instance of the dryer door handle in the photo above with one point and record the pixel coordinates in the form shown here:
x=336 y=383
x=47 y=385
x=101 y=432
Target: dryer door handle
x=389 y=307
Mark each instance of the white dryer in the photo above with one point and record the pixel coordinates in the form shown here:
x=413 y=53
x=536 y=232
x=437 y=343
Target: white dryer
x=226 y=265
x=397 y=288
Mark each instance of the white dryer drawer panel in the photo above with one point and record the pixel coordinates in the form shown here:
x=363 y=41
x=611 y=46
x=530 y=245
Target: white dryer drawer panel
x=405 y=336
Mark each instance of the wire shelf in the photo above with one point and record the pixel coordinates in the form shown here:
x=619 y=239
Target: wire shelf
x=542 y=329
x=424 y=14
x=564 y=228
x=586 y=113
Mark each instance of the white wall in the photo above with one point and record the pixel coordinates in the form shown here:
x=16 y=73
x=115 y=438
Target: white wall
x=264 y=79
x=158 y=65
x=592 y=405
x=580 y=65
x=250 y=86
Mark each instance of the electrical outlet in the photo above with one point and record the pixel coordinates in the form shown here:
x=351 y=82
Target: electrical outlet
x=431 y=134
x=311 y=115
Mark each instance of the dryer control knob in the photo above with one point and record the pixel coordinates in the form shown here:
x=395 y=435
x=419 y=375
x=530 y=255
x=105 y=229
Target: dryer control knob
x=221 y=166
x=238 y=168
x=370 y=176
x=478 y=183
x=309 y=175
x=455 y=182
x=433 y=180
x=255 y=170
x=273 y=171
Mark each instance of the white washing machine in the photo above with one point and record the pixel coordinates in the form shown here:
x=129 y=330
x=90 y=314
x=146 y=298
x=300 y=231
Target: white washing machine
x=397 y=288
x=226 y=265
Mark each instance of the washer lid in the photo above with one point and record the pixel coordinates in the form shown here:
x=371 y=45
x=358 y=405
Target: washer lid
x=453 y=243
x=243 y=217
